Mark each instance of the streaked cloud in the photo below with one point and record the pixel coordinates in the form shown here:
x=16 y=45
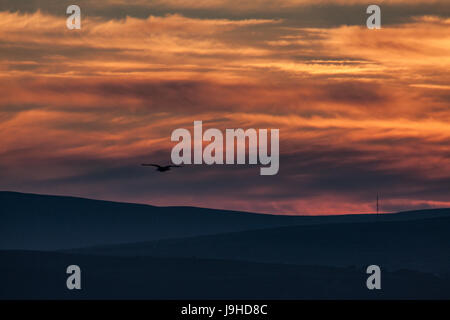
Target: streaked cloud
x=359 y=111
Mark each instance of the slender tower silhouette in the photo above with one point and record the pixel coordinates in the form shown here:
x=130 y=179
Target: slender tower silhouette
x=378 y=208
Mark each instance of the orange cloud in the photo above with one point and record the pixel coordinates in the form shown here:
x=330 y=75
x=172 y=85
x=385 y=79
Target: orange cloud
x=350 y=103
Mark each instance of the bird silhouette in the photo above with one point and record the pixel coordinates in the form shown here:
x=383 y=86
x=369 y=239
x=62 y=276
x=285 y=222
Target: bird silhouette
x=160 y=168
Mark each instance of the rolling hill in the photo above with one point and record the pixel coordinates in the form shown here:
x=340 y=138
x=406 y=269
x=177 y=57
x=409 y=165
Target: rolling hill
x=133 y=251
x=421 y=245
x=42 y=222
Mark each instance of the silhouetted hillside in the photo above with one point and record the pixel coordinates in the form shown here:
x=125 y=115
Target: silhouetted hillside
x=41 y=222
x=41 y=275
x=131 y=251
x=417 y=244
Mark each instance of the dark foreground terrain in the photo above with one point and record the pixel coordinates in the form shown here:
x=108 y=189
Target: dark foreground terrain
x=129 y=251
x=41 y=275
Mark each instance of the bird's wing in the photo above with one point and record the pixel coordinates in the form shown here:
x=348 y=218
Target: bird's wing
x=174 y=166
x=151 y=164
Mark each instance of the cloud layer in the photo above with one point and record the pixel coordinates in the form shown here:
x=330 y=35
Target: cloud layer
x=359 y=111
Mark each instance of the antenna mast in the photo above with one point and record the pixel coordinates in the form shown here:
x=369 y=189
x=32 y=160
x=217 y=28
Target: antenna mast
x=377 y=204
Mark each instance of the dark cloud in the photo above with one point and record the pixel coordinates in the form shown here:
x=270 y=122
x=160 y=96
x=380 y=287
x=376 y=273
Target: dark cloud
x=344 y=173
x=306 y=15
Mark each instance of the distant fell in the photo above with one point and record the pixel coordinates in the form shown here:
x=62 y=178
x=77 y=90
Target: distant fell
x=45 y=222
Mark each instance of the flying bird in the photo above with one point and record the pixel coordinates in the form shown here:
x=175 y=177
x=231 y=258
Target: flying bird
x=160 y=168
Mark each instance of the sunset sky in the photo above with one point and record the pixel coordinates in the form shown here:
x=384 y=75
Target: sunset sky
x=359 y=111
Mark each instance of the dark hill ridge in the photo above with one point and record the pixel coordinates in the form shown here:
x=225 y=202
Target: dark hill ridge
x=134 y=251
x=41 y=275
x=43 y=222
x=421 y=245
